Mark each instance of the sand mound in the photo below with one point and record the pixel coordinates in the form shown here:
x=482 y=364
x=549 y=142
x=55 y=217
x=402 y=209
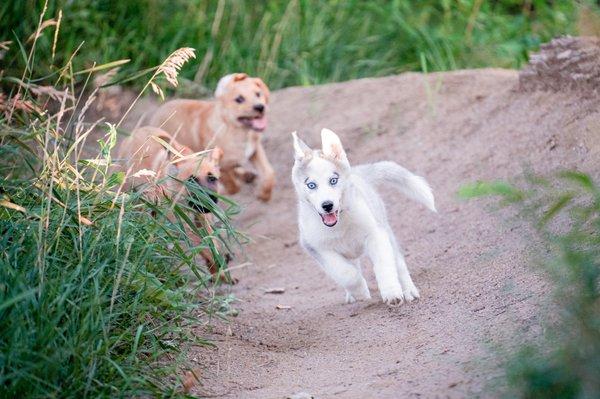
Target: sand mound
x=566 y=63
x=471 y=266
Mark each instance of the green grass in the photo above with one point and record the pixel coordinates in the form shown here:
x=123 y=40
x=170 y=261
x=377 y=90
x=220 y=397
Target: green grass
x=100 y=309
x=565 y=211
x=99 y=288
x=299 y=42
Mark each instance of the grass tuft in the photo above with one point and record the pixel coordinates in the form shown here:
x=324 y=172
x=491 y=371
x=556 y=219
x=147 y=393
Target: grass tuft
x=99 y=288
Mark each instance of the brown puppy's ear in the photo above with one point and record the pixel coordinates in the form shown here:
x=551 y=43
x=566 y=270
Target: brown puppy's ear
x=216 y=154
x=265 y=89
x=173 y=147
x=222 y=86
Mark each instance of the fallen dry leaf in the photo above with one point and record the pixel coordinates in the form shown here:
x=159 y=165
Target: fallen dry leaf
x=85 y=221
x=190 y=379
x=10 y=205
x=275 y=290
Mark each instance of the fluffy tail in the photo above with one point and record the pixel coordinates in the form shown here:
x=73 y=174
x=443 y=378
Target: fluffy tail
x=413 y=186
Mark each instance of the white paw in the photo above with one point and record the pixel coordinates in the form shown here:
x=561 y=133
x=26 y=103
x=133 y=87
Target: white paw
x=366 y=295
x=359 y=291
x=364 y=292
x=349 y=298
x=392 y=295
x=411 y=293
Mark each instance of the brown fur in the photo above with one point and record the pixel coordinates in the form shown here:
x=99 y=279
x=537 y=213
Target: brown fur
x=202 y=124
x=142 y=151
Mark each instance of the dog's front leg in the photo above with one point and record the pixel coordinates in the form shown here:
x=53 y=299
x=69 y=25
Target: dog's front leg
x=344 y=273
x=381 y=252
x=229 y=181
x=205 y=221
x=244 y=175
x=265 y=170
x=409 y=289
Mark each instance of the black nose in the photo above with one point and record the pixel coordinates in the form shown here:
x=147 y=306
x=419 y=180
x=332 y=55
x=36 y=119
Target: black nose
x=259 y=107
x=327 y=206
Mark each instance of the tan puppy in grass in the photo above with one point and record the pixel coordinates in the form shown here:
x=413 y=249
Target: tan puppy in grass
x=156 y=164
x=234 y=121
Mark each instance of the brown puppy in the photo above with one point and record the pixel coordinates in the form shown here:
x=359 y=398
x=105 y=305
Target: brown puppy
x=234 y=121
x=148 y=162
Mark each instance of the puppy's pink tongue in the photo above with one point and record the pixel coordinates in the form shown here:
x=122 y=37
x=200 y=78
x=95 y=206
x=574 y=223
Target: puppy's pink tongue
x=329 y=218
x=259 y=123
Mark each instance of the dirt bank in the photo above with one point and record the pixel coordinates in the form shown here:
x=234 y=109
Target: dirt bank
x=470 y=265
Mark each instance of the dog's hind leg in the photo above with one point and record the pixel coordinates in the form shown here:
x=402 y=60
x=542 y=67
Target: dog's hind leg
x=381 y=251
x=409 y=289
x=343 y=272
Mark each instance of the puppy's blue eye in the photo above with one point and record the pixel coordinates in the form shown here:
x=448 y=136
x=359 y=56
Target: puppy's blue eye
x=333 y=181
x=311 y=185
x=240 y=99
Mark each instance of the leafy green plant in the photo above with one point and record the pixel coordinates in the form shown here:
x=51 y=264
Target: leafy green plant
x=99 y=288
x=565 y=211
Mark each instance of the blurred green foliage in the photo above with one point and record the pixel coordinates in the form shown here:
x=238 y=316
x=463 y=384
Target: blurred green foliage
x=97 y=298
x=297 y=42
x=99 y=288
x=565 y=211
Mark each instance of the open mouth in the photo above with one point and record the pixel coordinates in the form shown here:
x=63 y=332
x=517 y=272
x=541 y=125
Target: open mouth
x=257 y=123
x=329 y=219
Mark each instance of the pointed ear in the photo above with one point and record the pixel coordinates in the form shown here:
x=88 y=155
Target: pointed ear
x=216 y=154
x=332 y=146
x=301 y=150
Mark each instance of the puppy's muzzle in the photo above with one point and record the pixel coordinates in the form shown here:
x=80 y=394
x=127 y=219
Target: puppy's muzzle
x=327 y=206
x=195 y=205
x=199 y=204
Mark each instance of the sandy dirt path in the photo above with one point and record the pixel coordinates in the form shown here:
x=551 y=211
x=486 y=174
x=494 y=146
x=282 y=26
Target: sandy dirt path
x=479 y=298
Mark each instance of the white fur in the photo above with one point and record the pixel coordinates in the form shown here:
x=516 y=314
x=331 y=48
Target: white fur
x=222 y=85
x=362 y=227
x=413 y=186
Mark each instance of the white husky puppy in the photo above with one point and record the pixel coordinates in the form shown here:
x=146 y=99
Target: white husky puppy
x=341 y=217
